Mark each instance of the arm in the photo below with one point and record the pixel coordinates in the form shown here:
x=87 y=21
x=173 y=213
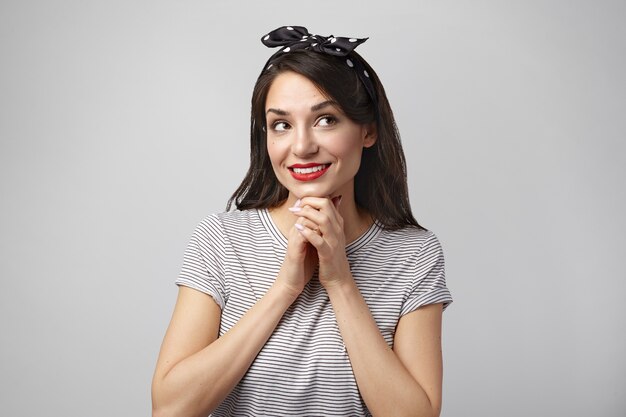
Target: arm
x=196 y=370
x=405 y=381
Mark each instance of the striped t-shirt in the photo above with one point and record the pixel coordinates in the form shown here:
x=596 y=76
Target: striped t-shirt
x=304 y=369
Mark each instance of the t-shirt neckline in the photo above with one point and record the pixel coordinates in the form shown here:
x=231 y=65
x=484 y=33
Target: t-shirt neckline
x=370 y=233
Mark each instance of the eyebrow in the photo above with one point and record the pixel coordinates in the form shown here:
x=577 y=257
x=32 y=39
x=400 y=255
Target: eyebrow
x=314 y=108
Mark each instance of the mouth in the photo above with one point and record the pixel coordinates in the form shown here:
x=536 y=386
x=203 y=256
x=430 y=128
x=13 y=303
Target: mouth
x=308 y=172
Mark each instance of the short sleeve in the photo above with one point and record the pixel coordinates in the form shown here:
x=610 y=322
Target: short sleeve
x=429 y=277
x=202 y=267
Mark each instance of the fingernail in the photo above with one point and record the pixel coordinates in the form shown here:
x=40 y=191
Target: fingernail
x=299 y=226
x=296 y=206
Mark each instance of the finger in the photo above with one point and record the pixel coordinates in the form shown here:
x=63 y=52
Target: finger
x=316 y=219
x=296 y=242
x=303 y=221
x=325 y=205
x=322 y=245
x=311 y=236
x=319 y=203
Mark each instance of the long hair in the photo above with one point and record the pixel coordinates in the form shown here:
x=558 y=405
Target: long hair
x=380 y=185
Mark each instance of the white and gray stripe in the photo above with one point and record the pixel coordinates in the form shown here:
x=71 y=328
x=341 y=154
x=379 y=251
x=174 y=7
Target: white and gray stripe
x=304 y=369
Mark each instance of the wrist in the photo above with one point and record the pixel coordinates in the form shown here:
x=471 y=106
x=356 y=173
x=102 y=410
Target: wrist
x=340 y=286
x=285 y=292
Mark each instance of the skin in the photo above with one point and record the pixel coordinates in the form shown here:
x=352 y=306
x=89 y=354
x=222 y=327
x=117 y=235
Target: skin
x=196 y=370
x=303 y=127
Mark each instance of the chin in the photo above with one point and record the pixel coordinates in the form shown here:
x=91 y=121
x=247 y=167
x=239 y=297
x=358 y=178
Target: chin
x=317 y=191
x=320 y=189
x=311 y=191
x=310 y=194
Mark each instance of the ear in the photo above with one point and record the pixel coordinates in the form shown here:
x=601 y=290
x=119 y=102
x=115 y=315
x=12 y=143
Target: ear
x=370 y=135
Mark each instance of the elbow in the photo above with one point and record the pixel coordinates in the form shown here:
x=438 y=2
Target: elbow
x=167 y=404
x=160 y=411
x=175 y=411
x=426 y=413
x=165 y=409
x=436 y=411
x=159 y=407
x=431 y=411
x=162 y=404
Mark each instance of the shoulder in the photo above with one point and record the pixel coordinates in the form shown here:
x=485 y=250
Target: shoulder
x=409 y=240
x=228 y=218
x=402 y=251
x=225 y=225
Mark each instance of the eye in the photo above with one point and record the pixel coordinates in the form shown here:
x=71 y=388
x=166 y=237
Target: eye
x=280 y=126
x=326 y=120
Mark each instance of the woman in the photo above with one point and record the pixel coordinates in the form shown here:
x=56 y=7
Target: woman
x=320 y=295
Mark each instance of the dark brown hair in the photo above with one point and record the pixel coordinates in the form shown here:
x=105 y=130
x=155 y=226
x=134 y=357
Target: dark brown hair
x=380 y=185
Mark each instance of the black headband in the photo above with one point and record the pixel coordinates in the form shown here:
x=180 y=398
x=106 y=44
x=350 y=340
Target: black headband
x=292 y=38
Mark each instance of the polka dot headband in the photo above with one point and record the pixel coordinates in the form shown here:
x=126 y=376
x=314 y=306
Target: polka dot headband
x=291 y=38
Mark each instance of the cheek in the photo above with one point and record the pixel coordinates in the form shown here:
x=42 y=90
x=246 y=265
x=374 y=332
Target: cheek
x=346 y=147
x=274 y=151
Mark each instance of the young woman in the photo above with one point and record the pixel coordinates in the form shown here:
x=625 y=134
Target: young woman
x=320 y=295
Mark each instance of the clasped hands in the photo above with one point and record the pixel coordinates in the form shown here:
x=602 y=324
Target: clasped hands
x=317 y=238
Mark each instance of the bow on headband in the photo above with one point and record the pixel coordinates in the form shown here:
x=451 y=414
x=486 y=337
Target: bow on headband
x=298 y=37
x=292 y=38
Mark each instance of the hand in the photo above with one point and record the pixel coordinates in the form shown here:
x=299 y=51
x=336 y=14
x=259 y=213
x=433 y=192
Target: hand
x=299 y=263
x=321 y=225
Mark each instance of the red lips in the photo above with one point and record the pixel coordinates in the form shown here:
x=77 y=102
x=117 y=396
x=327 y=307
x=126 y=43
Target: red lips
x=306 y=173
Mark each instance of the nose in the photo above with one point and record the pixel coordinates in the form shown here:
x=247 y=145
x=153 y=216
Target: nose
x=304 y=143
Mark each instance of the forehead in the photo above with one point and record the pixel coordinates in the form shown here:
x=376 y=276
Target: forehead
x=293 y=90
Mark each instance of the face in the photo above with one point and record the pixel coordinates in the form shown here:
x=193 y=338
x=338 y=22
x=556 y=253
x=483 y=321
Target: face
x=315 y=149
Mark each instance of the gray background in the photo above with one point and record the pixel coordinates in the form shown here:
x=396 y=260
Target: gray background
x=123 y=123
